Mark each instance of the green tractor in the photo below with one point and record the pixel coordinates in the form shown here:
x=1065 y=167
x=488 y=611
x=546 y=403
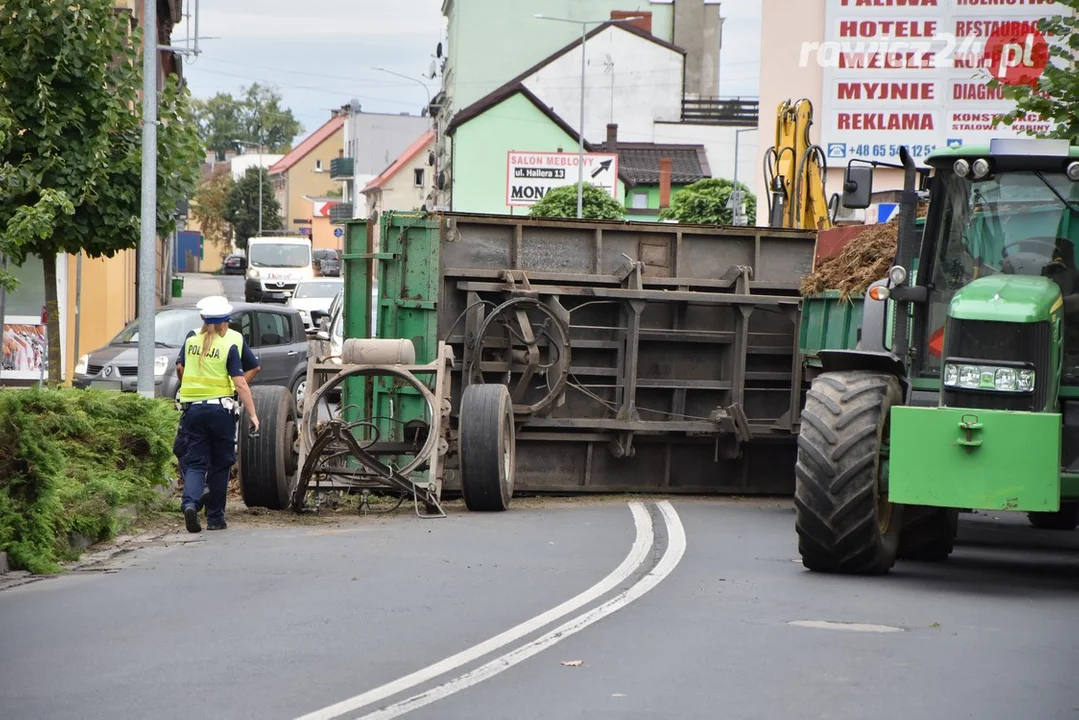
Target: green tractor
x=963 y=390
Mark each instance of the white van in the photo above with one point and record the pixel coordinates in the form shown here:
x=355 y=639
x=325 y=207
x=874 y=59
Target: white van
x=274 y=266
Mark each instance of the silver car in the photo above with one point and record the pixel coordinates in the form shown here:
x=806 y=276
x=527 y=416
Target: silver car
x=275 y=334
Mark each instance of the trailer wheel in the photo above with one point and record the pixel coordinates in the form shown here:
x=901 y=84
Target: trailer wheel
x=488 y=456
x=844 y=520
x=1067 y=518
x=929 y=535
x=266 y=461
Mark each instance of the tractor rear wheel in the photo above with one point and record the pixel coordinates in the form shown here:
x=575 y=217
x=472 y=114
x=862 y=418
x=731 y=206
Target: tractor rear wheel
x=929 y=534
x=486 y=445
x=844 y=520
x=1066 y=518
x=268 y=462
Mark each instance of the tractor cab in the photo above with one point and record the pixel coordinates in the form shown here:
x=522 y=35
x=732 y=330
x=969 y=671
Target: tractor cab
x=999 y=267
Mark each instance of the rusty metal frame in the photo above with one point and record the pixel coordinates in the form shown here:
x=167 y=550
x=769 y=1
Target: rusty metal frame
x=326 y=445
x=653 y=270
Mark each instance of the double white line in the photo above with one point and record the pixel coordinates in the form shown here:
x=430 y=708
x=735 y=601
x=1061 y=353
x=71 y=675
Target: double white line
x=638 y=554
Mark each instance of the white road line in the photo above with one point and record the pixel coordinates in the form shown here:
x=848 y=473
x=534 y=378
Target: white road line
x=676 y=547
x=642 y=545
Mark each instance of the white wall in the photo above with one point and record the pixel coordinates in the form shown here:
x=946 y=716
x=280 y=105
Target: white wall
x=241 y=163
x=719 y=146
x=647 y=86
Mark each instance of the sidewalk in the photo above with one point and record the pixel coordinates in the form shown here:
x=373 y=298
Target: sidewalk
x=197 y=286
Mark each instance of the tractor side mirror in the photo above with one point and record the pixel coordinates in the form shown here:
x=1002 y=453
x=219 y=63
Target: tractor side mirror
x=857 y=187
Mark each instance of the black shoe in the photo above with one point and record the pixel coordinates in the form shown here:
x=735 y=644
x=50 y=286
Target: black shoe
x=216 y=525
x=191 y=519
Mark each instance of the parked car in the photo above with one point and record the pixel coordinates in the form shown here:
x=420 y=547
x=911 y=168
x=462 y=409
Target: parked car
x=274 y=266
x=330 y=266
x=275 y=334
x=235 y=264
x=327 y=262
x=313 y=298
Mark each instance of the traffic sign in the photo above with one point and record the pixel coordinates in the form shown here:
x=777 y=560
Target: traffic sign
x=338 y=232
x=531 y=175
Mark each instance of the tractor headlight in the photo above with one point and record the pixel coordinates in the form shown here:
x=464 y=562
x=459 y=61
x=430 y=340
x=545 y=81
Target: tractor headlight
x=988 y=377
x=980 y=168
x=961 y=167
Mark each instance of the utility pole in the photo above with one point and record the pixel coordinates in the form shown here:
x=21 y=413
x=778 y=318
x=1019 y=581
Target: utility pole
x=584 y=64
x=735 y=203
x=147 y=253
x=148 y=238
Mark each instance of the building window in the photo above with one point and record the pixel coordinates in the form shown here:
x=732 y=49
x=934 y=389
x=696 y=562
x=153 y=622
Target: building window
x=417 y=177
x=640 y=201
x=318 y=166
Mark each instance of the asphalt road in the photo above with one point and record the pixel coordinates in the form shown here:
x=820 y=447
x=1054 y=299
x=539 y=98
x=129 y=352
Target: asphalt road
x=695 y=621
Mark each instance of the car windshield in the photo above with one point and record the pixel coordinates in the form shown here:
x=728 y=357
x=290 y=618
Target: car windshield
x=288 y=255
x=170 y=328
x=318 y=289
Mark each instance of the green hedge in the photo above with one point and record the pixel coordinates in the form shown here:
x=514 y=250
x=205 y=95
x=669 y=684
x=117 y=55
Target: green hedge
x=70 y=460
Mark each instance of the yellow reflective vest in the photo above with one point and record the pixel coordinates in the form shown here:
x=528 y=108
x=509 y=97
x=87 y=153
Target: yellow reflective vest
x=210 y=378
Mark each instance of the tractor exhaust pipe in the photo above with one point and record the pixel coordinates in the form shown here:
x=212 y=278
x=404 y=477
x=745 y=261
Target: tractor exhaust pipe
x=905 y=248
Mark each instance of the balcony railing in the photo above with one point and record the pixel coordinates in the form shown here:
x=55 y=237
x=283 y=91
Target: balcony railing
x=341 y=168
x=340 y=213
x=738 y=112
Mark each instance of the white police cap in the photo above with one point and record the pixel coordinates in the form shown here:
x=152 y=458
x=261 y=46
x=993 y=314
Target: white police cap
x=215 y=309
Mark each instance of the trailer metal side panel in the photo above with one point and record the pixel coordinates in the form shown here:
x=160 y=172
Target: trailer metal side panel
x=683 y=372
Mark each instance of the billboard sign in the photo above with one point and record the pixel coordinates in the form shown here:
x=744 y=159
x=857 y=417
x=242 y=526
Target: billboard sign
x=916 y=73
x=531 y=175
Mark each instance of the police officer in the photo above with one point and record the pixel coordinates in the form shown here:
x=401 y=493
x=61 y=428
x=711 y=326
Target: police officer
x=212 y=378
x=251 y=368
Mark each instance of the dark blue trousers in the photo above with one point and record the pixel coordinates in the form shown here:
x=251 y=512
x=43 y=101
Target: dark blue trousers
x=209 y=433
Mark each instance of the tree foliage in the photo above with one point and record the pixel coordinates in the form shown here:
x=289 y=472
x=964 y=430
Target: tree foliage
x=256 y=116
x=209 y=207
x=1055 y=94
x=596 y=204
x=242 y=208
x=706 y=202
x=70 y=157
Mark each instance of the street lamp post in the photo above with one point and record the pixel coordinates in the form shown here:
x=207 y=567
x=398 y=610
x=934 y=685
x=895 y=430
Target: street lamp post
x=247 y=143
x=737 y=218
x=580 y=129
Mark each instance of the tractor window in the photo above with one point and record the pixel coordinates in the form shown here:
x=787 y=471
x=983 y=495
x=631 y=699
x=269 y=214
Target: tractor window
x=1019 y=223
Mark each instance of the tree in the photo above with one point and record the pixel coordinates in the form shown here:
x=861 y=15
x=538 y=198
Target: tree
x=596 y=204
x=706 y=202
x=242 y=208
x=210 y=206
x=1055 y=93
x=255 y=117
x=69 y=77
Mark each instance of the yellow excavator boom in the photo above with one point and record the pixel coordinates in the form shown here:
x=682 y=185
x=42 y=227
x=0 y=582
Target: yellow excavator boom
x=795 y=170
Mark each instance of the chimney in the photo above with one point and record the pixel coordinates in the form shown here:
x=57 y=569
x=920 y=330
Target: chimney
x=664 y=182
x=643 y=20
x=611 y=145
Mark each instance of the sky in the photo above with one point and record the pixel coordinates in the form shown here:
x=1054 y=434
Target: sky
x=320 y=54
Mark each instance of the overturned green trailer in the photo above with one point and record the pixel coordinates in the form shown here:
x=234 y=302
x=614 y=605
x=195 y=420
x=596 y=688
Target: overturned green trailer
x=639 y=357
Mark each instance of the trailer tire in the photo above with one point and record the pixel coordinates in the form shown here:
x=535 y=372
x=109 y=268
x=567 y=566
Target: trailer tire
x=1067 y=518
x=844 y=525
x=486 y=445
x=929 y=534
x=265 y=461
